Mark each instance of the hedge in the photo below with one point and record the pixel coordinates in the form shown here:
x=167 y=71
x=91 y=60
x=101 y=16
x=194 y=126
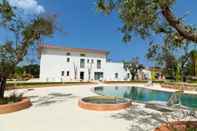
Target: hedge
x=133 y=81
x=19 y=84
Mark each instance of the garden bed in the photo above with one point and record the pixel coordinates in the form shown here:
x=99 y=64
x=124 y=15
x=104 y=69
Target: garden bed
x=180 y=86
x=178 y=126
x=17 y=106
x=26 y=85
x=132 y=81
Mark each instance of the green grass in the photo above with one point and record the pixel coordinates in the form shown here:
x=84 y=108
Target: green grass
x=24 y=85
x=193 y=82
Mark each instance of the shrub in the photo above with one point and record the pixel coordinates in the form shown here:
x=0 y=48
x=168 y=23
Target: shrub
x=13 y=98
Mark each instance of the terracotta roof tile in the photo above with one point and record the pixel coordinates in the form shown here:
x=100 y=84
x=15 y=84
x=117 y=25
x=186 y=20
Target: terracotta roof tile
x=82 y=50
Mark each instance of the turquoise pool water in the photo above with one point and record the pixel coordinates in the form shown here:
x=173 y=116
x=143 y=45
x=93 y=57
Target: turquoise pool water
x=144 y=95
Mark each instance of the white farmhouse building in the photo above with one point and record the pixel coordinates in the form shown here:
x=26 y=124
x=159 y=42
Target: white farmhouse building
x=74 y=64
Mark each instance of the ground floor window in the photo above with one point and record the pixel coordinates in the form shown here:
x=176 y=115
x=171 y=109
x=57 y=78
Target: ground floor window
x=128 y=75
x=67 y=73
x=116 y=75
x=82 y=75
x=98 y=75
x=68 y=59
x=62 y=73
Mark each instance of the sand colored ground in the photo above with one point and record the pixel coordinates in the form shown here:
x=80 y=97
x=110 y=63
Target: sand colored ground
x=56 y=109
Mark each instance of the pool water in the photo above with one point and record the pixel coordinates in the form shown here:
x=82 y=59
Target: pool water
x=140 y=94
x=105 y=100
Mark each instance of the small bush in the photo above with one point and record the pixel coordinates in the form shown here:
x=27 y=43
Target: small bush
x=11 y=99
x=133 y=81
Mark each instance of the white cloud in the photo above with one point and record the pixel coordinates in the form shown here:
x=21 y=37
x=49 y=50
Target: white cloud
x=28 y=6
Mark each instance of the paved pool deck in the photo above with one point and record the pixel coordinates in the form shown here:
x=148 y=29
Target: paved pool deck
x=56 y=109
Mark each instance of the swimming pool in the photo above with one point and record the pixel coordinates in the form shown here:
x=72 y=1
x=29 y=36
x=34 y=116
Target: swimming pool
x=140 y=94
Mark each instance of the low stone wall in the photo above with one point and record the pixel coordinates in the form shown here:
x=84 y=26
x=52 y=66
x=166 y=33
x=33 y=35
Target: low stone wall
x=8 y=108
x=103 y=107
x=180 y=86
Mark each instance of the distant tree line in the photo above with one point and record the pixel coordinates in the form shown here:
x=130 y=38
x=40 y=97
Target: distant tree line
x=27 y=72
x=177 y=62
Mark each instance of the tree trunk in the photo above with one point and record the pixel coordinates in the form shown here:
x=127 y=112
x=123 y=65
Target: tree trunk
x=2 y=85
x=194 y=62
x=133 y=77
x=194 y=67
x=178 y=25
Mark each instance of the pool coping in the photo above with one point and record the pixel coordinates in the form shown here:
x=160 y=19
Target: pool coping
x=156 y=87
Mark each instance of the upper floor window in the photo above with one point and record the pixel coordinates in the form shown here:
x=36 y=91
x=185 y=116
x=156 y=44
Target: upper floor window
x=82 y=63
x=68 y=59
x=68 y=54
x=92 y=61
x=88 y=61
x=83 y=55
x=99 y=64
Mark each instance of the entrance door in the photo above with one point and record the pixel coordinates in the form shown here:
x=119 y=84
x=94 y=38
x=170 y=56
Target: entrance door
x=81 y=75
x=98 y=75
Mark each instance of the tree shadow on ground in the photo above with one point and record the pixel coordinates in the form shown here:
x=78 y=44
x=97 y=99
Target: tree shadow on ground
x=140 y=119
x=144 y=119
x=50 y=99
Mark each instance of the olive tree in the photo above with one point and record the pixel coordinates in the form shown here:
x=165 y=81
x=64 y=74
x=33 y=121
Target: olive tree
x=147 y=17
x=193 y=55
x=172 y=58
x=27 y=32
x=133 y=67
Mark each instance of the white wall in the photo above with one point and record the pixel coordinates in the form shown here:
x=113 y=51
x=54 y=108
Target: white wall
x=51 y=65
x=111 y=68
x=53 y=62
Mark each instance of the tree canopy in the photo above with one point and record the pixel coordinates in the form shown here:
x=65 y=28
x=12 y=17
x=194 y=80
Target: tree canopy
x=32 y=70
x=147 y=17
x=152 y=18
x=26 y=34
x=133 y=66
x=174 y=60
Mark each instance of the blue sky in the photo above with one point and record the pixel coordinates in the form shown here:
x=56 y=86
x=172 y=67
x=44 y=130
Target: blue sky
x=88 y=28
